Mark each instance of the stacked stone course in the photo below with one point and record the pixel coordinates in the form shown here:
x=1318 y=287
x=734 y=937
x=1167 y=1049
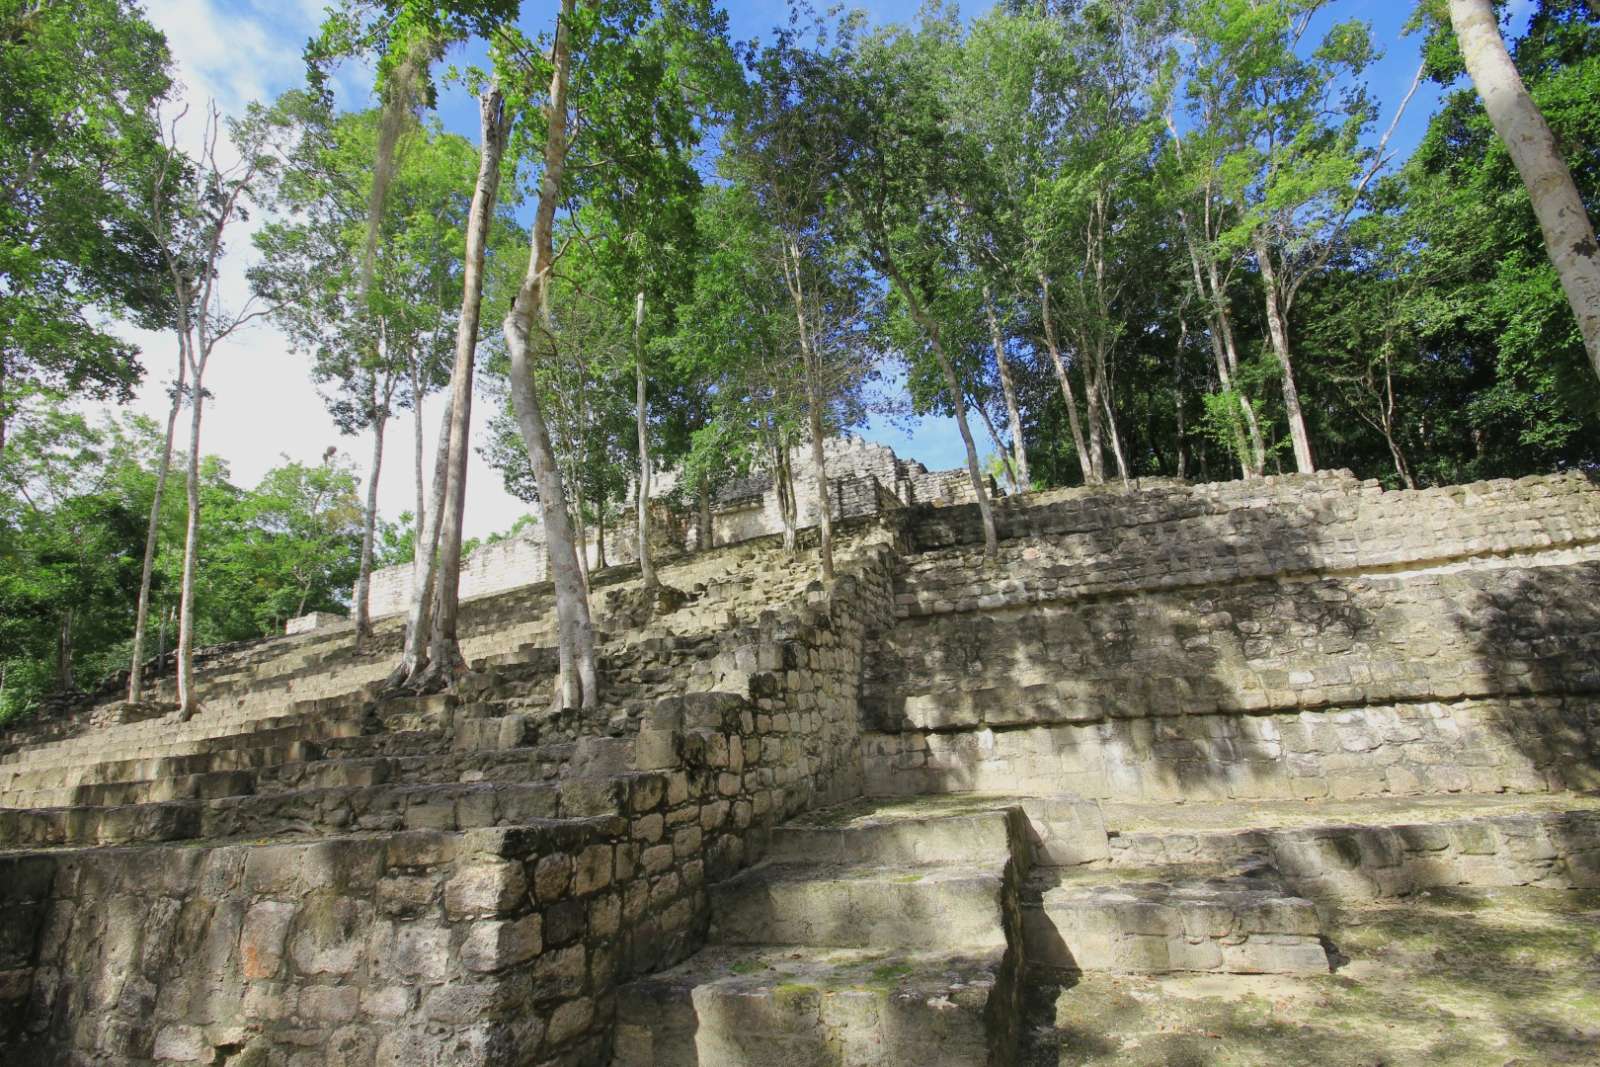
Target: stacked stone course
x=842 y=824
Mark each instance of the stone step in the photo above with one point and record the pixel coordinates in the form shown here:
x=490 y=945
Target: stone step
x=138 y=770
x=307 y=812
x=199 y=735
x=984 y=838
x=1176 y=919
x=285 y=774
x=1397 y=854
x=207 y=786
x=507 y=765
x=930 y=908
x=732 y=1007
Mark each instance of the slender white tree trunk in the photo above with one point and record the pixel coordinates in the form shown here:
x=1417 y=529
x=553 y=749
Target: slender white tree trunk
x=1251 y=453
x=1115 y=434
x=363 y=595
x=420 y=516
x=579 y=685
x=1065 y=382
x=1095 y=411
x=424 y=566
x=1278 y=327
x=703 y=501
x=1181 y=459
x=1568 y=232
x=64 y=679
x=1019 y=451
x=444 y=646
x=1000 y=451
x=188 y=703
x=153 y=531
x=647 y=571
x=930 y=329
x=811 y=364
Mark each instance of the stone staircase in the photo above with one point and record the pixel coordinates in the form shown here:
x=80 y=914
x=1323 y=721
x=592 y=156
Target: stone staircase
x=1177 y=736
x=292 y=738
x=863 y=938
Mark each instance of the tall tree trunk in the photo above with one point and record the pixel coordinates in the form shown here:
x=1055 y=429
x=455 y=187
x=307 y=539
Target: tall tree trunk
x=813 y=372
x=1006 y=464
x=1181 y=466
x=1249 y=447
x=1568 y=232
x=188 y=703
x=1252 y=425
x=1065 y=382
x=153 y=530
x=420 y=516
x=64 y=679
x=424 y=567
x=161 y=639
x=703 y=502
x=647 y=571
x=444 y=647
x=930 y=329
x=369 y=530
x=600 y=536
x=1385 y=423
x=1278 y=327
x=579 y=685
x=1095 y=410
x=819 y=460
x=582 y=533
x=783 y=476
x=1115 y=434
x=1019 y=451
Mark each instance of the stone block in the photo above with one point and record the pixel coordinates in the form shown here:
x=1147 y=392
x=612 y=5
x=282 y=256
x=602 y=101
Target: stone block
x=261 y=943
x=485 y=889
x=497 y=944
x=1066 y=831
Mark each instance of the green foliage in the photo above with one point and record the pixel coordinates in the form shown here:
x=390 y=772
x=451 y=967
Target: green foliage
x=896 y=185
x=74 y=501
x=79 y=155
x=392 y=343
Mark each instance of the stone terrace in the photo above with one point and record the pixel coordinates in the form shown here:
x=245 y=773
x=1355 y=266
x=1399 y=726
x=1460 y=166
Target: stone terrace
x=1180 y=730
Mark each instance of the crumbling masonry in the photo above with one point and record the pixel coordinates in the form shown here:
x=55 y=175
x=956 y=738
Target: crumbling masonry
x=830 y=825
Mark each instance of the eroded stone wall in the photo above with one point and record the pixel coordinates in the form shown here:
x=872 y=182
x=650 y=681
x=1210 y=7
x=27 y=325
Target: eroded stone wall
x=1288 y=637
x=444 y=944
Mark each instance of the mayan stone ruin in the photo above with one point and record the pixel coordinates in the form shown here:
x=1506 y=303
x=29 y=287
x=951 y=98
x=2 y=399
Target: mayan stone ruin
x=1282 y=770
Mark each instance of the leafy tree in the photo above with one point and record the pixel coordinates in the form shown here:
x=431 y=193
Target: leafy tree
x=786 y=161
x=378 y=341
x=1563 y=216
x=78 y=151
x=191 y=230
x=621 y=82
x=899 y=165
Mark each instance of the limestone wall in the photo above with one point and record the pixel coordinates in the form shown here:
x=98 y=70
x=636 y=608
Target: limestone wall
x=488 y=945
x=1285 y=638
x=1292 y=637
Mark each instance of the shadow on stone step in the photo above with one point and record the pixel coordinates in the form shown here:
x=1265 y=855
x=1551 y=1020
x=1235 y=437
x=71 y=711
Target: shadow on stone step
x=1326 y=642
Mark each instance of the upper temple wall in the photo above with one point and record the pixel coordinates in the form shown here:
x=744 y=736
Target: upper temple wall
x=1284 y=637
x=865 y=478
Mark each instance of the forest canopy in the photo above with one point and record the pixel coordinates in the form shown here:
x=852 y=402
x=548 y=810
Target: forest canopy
x=1111 y=239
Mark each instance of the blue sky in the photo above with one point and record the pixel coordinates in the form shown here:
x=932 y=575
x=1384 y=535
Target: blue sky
x=266 y=409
